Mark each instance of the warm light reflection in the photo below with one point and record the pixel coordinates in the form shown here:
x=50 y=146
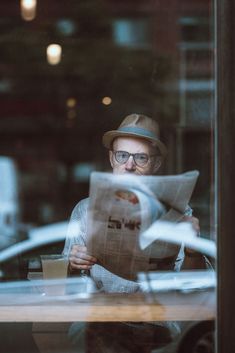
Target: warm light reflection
x=106 y=100
x=54 y=54
x=71 y=102
x=28 y=9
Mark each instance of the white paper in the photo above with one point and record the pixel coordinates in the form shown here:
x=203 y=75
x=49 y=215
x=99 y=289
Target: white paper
x=123 y=207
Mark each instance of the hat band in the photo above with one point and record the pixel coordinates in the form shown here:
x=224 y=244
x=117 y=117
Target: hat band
x=137 y=130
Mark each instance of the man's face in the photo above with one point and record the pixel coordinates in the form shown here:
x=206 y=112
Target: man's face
x=134 y=145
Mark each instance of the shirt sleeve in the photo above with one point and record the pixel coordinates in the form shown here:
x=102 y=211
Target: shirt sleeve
x=77 y=227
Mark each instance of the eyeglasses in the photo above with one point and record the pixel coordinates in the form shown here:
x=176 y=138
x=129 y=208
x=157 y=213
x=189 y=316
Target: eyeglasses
x=140 y=159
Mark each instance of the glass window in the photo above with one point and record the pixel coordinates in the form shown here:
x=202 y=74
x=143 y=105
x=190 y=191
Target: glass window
x=70 y=72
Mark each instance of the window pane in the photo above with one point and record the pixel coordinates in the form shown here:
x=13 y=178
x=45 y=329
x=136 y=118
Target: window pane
x=70 y=72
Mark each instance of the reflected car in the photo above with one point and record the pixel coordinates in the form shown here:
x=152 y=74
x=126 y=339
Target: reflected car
x=184 y=286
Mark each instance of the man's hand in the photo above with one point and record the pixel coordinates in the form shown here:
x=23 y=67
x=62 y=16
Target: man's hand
x=194 y=221
x=195 y=224
x=193 y=259
x=79 y=259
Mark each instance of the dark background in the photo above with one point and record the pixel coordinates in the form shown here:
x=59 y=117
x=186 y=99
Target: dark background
x=151 y=57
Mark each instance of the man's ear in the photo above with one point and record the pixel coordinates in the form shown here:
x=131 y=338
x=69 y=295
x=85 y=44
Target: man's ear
x=157 y=164
x=111 y=158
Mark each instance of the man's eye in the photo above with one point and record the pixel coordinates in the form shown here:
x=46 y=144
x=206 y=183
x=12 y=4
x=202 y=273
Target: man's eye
x=122 y=154
x=142 y=157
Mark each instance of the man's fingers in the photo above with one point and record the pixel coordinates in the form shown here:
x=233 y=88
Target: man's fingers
x=80 y=264
x=80 y=251
x=79 y=259
x=85 y=257
x=79 y=248
x=74 y=266
x=194 y=221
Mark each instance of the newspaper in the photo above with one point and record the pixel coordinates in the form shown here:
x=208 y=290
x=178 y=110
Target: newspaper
x=122 y=207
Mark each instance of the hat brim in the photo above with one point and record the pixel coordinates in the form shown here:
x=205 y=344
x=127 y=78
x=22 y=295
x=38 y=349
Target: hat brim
x=109 y=136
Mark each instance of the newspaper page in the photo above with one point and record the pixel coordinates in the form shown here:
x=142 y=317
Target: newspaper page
x=122 y=207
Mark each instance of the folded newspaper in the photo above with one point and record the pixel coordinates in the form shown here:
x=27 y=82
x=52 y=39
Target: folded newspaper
x=122 y=207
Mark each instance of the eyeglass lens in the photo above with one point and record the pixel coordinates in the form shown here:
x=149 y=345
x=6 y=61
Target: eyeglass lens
x=140 y=159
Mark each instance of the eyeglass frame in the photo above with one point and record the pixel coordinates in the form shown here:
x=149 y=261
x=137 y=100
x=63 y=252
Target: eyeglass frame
x=133 y=155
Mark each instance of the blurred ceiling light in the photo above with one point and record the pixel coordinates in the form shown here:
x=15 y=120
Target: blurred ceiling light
x=28 y=9
x=54 y=54
x=106 y=100
x=71 y=102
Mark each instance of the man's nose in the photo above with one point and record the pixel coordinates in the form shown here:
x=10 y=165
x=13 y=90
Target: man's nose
x=130 y=164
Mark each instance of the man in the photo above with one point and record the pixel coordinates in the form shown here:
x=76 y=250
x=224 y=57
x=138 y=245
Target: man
x=134 y=148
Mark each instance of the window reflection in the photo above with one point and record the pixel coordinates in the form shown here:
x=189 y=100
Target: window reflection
x=133 y=33
x=118 y=57
x=146 y=58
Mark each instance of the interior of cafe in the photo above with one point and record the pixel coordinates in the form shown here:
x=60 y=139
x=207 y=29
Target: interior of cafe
x=72 y=70
x=116 y=59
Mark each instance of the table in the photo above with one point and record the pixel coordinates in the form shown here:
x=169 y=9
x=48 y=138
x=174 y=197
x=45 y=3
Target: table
x=176 y=306
x=51 y=318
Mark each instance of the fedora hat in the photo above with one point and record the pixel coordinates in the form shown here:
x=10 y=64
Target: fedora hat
x=136 y=125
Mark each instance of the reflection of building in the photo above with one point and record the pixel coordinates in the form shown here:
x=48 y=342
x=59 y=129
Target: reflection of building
x=180 y=33
x=153 y=57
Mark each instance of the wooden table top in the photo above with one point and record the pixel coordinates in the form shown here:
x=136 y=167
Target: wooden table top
x=176 y=306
